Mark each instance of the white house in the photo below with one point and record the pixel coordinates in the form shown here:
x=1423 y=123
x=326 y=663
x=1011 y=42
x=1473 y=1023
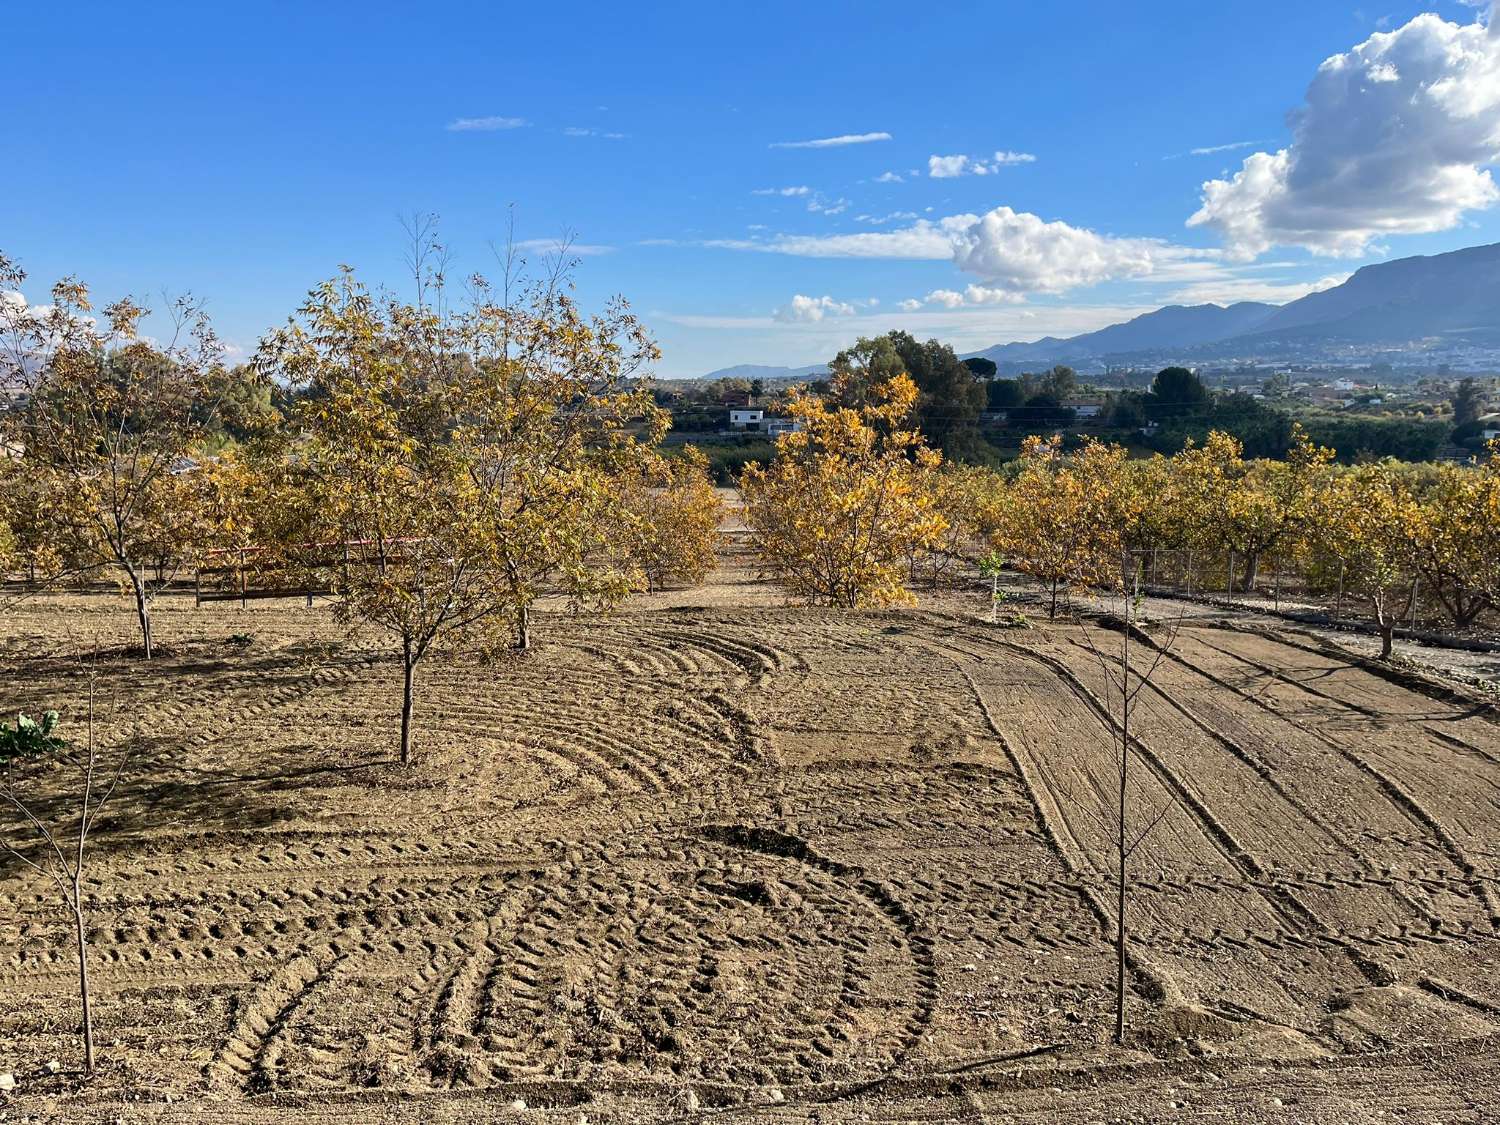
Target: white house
x=775 y=427
x=743 y=418
x=1084 y=407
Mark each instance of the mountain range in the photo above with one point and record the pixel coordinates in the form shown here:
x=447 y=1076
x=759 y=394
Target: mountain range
x=1451 y=298
x=1447 y=298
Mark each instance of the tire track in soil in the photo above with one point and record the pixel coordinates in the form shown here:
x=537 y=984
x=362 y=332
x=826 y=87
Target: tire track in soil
x=1305 y=923
x=1156 y=985
x=1399 y=795
x=1300 y=922
x=564 y=958
x=1267 y=774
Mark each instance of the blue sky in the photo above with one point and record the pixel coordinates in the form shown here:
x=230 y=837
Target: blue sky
x=1020 y=169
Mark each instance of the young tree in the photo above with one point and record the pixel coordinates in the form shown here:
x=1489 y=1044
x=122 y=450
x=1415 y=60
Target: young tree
x=456 y=464
x=970 y=499
x=1365 y=525
x=1063 y=523
x=31 y=546
x=103 y=423
x=668 y=519
x=839 y=511
x=1455 y=538
x=1251 y=508
x=1128 y=826
x=31 y=755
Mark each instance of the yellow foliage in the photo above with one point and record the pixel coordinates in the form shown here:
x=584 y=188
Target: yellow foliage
x=846 y=501
x=669 y=516
x=455 y=466
x=1066 y=518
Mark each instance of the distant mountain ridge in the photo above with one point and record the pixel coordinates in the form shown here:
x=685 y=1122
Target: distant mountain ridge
x=1450 y=295
x=762 y=371
x=1174 y=326
x=1446 y=297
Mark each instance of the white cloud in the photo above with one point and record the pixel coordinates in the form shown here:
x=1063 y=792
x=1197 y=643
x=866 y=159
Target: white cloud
x=788 y=191
x=569 y=249
x=834 y=142
x=485 y=124
x=1020 y=252
x=948 y=298
x=911 y=304
x=1013 y=251
x=947 y=167
x=1209 y=150
x=923 y=241
x=986 y=295
x=578 y=131
x=890 y=178
x=881 y=220
x=820 y=206
x=1228 y=290
x=973 y=296
x=1393 y=138
x=810 y=310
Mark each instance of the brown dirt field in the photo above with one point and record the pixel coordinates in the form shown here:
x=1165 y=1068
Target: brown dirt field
x=716 y=856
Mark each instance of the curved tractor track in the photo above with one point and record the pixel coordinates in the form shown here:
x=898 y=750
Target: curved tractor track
x=775 y=861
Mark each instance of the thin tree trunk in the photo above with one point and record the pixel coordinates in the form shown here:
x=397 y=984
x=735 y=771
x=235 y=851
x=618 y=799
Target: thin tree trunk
x=523 y=627
x=142 y=610
x=1252 y=570
x=409 y=671
x=1120 y=937
x=1387 y=638
x=83 y=981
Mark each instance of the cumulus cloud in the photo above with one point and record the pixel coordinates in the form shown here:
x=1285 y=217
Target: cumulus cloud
x=1011 y=251
x=810 y=310
x=834 y=142
x=1022 y=253
x=948 y=167
x=485 y=124
x=973 y=296
x=1393 y=138
x=890 y=178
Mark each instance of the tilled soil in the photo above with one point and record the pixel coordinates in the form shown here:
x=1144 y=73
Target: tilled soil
x=716 y=856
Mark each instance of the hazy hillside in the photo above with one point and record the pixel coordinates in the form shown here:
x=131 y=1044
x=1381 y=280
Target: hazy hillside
x=762 y=371
x=1409 y=298
x=1175 y=326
